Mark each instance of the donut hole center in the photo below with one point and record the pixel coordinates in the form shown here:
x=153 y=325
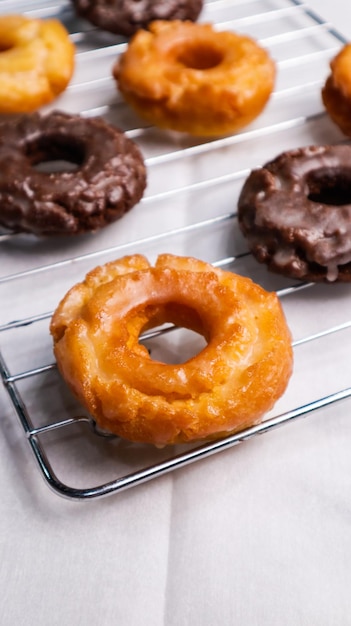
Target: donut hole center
x=199 y=56
x=177 y=334
x=49 y=155
x=330 y=186
x=5 y=47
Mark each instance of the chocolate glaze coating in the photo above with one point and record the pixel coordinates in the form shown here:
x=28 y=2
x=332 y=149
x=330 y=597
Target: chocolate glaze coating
x=295 y=212
x=110 y=177
x=125 y=17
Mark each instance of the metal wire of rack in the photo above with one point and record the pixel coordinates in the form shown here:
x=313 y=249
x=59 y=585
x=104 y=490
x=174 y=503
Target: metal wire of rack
x=190 y=204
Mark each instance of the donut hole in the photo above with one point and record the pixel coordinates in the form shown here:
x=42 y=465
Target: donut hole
x=179 y=334
x=330 y=186
x=176 y=348
x=5 y=47
x=199 y=56
x=56 y=154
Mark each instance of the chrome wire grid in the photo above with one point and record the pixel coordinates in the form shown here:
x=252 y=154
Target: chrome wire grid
x=189 y=208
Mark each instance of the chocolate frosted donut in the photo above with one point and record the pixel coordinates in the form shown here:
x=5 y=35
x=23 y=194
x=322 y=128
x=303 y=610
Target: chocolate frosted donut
x=125 y=17
x=295 y=212
x=109 y=176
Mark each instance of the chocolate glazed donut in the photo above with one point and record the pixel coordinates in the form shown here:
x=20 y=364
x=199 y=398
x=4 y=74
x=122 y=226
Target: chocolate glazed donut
x=295 y=212
x=125 y=17
x=109 y=176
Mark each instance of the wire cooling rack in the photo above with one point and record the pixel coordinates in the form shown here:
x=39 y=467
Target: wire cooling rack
x=189 y=208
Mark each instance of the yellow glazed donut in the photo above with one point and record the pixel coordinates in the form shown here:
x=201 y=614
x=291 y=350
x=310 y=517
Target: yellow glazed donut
x=36 y=62
x=189 y=77
x=230 y=384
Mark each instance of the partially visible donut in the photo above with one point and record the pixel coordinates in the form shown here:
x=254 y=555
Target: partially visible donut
x=191 y=78
x=336 y=93
x=125 y=17
x=108 y=180
x=229 y=384
x=295 y=212
x=36 y=62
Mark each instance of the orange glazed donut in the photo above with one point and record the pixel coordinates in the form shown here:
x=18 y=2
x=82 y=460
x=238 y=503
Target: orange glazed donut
x=36 y=62
x=230 y=384
x=190 y=78
x=336 y=93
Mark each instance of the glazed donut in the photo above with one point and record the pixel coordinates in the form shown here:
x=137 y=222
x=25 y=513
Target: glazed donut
x=36 y=62
x=295 y=212
x=105 y=184
x=125 y=17
x=336 y=93
x=228 y=385
x=188 y=77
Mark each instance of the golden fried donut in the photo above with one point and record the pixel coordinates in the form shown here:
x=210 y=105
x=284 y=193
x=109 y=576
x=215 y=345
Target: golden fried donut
x=230 y=384
x=36 y=62
x=188 y=77
x=336 y=93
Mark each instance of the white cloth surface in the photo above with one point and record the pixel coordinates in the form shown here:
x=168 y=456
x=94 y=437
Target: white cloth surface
x=258 y=535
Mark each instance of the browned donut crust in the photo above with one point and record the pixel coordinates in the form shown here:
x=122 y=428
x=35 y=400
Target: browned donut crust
x=110 y=177
x=125 y=17
x=295 y=212
x=336 y=93
x=192 y=78
x=36 y=62
x=236 y=378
